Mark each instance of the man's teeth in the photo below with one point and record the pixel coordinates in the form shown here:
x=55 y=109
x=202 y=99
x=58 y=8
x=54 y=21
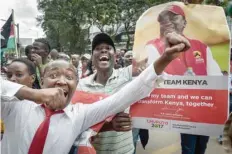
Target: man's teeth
x=104 y=58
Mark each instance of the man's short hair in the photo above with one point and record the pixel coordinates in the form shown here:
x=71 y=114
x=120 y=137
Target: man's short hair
x=27 y=49
x=45 y=42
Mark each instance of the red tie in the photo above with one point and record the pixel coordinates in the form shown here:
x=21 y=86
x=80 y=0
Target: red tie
x=38 y=142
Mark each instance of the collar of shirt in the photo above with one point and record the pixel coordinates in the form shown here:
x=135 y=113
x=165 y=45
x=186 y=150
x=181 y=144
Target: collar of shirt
x=91 y=82
x=67 y=110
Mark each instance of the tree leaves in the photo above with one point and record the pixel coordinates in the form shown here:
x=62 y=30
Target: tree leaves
x=67 y=22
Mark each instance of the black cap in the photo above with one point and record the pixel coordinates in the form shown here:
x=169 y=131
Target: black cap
x=102 y=38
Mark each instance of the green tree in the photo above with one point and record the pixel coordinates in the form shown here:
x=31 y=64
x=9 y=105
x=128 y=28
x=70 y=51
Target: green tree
x=111 y=16
x=64 y=23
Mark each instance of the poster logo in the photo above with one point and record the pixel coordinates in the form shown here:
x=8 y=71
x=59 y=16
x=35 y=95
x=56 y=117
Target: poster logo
x=197 y=56
x=157 y=123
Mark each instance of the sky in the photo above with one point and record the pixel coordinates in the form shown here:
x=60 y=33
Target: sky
x=25 y=12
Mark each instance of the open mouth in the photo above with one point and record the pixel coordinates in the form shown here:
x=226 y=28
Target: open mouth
x=104 y=59
x=65 y=93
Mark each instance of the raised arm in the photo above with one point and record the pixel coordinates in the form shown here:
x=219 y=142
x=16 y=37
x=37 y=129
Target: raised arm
x=139 y=88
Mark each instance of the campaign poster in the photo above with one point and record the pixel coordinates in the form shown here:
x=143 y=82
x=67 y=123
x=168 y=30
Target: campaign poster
x=193 y=99
x=83 y=144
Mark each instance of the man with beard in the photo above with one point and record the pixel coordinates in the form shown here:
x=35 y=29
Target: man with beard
x=35 y=116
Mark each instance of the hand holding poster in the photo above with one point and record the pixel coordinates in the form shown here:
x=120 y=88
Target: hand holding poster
x=84 y=145
x=194 y=98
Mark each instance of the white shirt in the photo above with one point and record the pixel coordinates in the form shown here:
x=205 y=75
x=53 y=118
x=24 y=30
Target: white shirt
x=212 y=66
x=22 y=118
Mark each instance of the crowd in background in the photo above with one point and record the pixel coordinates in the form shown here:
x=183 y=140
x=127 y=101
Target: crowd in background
x=82 y=62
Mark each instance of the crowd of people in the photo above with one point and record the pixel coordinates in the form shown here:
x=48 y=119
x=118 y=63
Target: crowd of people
x=82 y=62
x=106 y=70
x=42 y=85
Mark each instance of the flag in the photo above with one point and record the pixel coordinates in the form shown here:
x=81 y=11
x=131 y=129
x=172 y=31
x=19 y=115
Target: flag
x=84 y=145
x=8 y=42
x=6 y=31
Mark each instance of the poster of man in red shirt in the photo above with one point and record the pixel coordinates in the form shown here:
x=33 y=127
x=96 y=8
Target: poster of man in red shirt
x=195 y=88
x=198 y=58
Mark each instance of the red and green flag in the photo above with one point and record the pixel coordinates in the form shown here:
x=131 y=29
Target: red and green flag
x=8 y=42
